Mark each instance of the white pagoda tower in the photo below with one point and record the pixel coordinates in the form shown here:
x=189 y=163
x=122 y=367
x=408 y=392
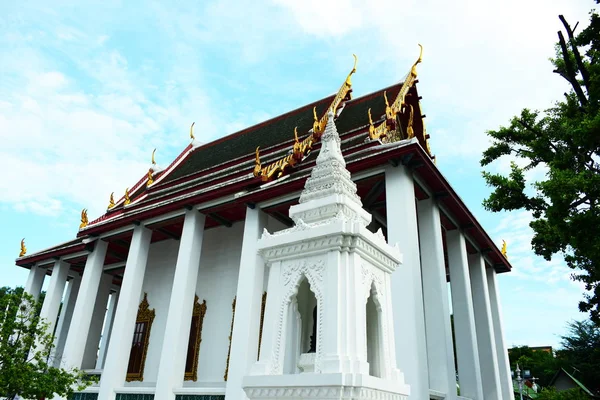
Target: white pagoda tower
x=328 y=328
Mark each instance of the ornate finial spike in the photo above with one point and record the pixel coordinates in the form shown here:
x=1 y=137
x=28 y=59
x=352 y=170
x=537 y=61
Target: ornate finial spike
x=192 y=131
x=370 y=119
x=84 y=219
x=153 y=162
x=127 y=199
x=257 y=167
x=150 y=179
x=413 y=70
x=348 y=80
x=387 y=104
x=23 y=248
x=504 y=249
x=296 y=134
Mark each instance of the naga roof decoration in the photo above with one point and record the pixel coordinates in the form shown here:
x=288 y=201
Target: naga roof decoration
x=84 y=219
x=399 y=106
x=23 y=248
x=127 y=199
x=301 y=149
x=111 y=200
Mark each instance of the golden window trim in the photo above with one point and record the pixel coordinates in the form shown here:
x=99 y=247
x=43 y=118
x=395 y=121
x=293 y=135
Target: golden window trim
x=144 y=314
x=262 y=320
x=199 y=311
x=230 y=336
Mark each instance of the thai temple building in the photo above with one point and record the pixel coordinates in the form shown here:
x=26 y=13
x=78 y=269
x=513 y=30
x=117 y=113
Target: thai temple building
x=317 y=255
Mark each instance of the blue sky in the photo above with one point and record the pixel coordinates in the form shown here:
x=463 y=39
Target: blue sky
x=88 y=90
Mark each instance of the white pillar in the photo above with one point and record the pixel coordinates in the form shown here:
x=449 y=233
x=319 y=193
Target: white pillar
x=179 y=317
x=93 y=340
x=35 y=280
x=469 y=372
x=54 y=294
x=64 y=321
x=484 y=327
x=407 y=291
x=82 y=314
x=117 y=357
x=244 y=344
x=106 y=332
x=440 y=355
x=501 y=351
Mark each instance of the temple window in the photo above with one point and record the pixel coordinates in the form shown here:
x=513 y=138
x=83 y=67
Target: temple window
x=195 y=338
x=139 y=345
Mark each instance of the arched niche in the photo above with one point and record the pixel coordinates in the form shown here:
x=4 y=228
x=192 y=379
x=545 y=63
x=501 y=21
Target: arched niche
x=374 y=333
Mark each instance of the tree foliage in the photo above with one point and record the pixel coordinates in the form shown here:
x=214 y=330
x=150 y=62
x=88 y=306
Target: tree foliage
x=25 y=349
x=565 y=140
x=542 y=364
x=571 y=394
x=580 y=353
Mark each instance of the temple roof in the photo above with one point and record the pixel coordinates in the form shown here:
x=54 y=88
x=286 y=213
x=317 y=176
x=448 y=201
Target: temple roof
x=275 y=157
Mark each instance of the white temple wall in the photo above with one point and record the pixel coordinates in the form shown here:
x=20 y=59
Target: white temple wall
x=158 y=281
x=217 y=284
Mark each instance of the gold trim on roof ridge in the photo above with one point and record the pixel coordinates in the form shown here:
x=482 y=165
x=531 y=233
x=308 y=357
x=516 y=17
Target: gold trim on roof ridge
x=301 y=149
x=391 y=111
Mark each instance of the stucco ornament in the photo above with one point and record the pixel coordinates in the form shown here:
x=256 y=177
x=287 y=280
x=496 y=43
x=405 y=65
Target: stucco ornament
x=331 y=247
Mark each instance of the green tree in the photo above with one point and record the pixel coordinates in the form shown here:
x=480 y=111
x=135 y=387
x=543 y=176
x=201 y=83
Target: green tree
x=565 y=139
x=25 y=347
x=542 y=364
x=580 y=353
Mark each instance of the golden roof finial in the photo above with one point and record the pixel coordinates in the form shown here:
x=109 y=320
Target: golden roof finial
x=127 y=199
x=503 y=251
x=23 y=248
x=296 y=134
x=192 y=131
x=257 y=166
x=153 y=162
x=348 y=80
x=413 y=70
x=84 y=219
x=111 y=201
x=150 y=179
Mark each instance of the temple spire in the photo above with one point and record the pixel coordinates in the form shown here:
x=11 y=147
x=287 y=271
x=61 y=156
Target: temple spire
x=329 y=193
x=330 y=176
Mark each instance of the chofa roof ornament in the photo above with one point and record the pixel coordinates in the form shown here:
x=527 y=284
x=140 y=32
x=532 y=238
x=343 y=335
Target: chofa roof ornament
x=381 y=131
x=301 y=149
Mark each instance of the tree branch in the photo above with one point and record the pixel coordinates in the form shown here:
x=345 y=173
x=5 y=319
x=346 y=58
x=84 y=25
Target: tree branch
x=571 y=76
x=584 y=72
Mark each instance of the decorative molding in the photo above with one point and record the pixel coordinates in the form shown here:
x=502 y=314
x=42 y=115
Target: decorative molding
x=262 y=321
x=199 y=311
x=230 y=337
x=144 y=315
x=323 y=392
